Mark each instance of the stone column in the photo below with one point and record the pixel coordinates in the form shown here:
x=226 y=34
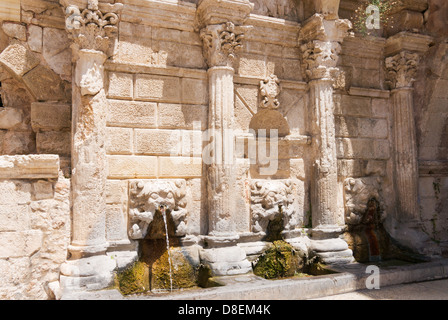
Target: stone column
x=221 y=40
x=320 y=41
x=404 y=52
x=93 y=32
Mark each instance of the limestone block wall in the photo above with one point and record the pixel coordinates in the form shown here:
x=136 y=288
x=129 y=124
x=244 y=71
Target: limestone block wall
x=363 y=120
x=35 y=76
x=432 y=135
x=157 y=88
x=34 y=227
x=157 y=92
x=363 y=133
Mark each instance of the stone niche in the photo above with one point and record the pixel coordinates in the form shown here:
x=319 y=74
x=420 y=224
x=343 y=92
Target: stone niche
x=157 y=220
x=365 y=214
x=147 y=199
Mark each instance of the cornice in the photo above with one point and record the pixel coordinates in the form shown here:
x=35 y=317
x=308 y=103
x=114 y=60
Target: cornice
x=407 y=41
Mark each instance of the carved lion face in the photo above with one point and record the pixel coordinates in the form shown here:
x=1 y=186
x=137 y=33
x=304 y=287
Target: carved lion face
x=162 y=197
x=274 y=197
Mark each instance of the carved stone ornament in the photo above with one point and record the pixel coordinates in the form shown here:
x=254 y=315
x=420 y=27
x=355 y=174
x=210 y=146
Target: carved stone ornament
x=270 y=89
x=319 y=59
x=268 y=199
x=401 y=69
x=91 y=28
x=221 y=42
x=147 y=196
x=357 y=194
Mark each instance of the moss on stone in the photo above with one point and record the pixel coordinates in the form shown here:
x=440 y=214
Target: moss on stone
x=134 y=279
x=183 y=273
x=279 y=261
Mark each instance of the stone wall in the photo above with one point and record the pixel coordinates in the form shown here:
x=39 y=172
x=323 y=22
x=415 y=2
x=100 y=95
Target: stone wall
x=35 y=76
x=158 y=98
x=160 y=79
x=34 y=227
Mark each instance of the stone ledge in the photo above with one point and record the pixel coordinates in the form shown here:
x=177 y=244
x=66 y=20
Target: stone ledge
x=433 y=168
x=34 y=166
x=367 y=92
x=10 y=10
x=286 y=84
x=156 y=70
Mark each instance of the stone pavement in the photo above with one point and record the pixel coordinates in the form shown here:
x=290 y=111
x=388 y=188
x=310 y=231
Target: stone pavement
x=428 y=290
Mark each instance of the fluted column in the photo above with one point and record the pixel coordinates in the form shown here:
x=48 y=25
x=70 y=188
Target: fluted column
x=320 y=41
x=222 y=39
x=93 y=32
x=326 y=175
x=401 y=69
x=220 y=172
x=404 y=52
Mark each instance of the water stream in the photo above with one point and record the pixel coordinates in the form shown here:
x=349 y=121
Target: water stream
x=163 y=210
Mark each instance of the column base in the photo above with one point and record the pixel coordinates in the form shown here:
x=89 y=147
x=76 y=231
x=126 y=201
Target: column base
x=329 y=247
x=90 y=273
x=224 y=256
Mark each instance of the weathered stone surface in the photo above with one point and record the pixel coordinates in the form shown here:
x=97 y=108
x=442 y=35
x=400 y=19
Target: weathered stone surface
x=14 y=30
x=157 y=88
x=34 y=236
x=50 y=116
x=18 y=59
x=121 y=85
x=179 y=116
x=122 y=167
x=131 y=114
x=35 y=38
x=45 y=84
x=119 y=140
x=54 y=142
x=10 y=10
x=133 y=92
x=9 y=118
x=29 y=167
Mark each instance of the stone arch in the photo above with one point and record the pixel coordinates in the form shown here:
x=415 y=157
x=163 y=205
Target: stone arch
x=27 y=81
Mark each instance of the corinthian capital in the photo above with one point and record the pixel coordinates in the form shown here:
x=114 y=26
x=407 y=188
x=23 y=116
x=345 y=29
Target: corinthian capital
x=401 y=69
x=319 y=59
x=320 y=42
x=92 y=28
x=221 y=42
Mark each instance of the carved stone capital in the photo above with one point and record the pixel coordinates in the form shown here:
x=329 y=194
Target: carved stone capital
x=93 y=28
x=319 y=59
x=320 y=42
x=401 y=69
x=221 y=42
